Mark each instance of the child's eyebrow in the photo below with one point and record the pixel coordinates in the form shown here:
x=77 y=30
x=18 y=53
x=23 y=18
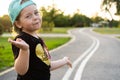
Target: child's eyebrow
x=29 y=13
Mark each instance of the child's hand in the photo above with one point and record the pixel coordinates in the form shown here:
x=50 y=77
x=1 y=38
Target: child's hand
x=68 y=61
x=19 y=43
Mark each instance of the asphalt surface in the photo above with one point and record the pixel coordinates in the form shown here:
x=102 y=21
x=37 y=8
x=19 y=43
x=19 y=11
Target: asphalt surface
x=94 y=57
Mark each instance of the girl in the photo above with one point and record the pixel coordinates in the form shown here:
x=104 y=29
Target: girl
x=32 y=59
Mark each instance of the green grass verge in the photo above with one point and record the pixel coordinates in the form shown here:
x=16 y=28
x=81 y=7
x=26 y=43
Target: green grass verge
x=6 y=56
x=118 y=37
x=55 y=42
x=58 y=30
x=107 y=30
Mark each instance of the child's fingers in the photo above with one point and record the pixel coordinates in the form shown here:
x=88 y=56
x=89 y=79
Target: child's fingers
x=68 y=61
x=9 y=39
x=16 y=43
x=18 y=39
x=69 y=64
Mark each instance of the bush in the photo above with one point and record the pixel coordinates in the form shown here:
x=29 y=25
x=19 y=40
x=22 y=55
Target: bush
x=1 y=29
x=46 y=26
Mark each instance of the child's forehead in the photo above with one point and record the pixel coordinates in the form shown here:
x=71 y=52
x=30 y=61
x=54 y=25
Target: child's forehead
x=29 y=9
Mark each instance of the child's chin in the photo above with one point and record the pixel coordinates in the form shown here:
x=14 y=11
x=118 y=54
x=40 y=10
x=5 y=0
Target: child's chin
x=37 y=25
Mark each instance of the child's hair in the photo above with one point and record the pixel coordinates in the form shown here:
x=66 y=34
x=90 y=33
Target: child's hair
x=15 y=7
x=22 y=1
x=15 y=29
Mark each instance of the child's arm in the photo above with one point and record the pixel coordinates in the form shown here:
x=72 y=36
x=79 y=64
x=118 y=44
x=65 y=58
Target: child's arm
x=59 y=63
x=22 y=61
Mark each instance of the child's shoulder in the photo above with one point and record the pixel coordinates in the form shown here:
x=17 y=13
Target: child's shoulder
x=22 y=36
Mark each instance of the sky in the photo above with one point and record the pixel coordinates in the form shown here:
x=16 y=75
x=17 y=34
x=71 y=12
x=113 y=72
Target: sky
x=86 y=7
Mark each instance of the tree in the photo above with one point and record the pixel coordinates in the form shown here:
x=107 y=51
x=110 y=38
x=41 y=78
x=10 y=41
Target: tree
x=47 y=26
x=62 y=20
x=1 y=28
x=5 y=21
x=108 y=4
x=97 y=19
x=48 y=18
x=80 y=20
x=57 y=17
x=117 y=2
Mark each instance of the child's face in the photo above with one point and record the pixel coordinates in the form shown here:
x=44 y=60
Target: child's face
x=29 y=19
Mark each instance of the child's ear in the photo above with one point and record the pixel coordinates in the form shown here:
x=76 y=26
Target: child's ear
x=17 y=24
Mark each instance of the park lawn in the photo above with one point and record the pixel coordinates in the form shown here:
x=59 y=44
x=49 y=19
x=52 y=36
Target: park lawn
x=118 y=37
x=58 y=30
x=55 y=42
x=6 y=56
x=107 y=30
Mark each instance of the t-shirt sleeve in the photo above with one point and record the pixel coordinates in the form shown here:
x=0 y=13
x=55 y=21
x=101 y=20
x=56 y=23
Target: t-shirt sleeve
x=15 y=51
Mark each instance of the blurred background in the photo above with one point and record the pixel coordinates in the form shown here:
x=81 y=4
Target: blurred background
x=73 y=13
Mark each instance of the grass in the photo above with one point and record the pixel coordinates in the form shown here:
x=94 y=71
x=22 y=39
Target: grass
x=6 y=58
x=59 y=30
x=118 y=37
x=108 y=30
x=55 y=42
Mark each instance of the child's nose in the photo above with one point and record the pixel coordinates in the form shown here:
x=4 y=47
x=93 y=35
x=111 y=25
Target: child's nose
x=35 y=17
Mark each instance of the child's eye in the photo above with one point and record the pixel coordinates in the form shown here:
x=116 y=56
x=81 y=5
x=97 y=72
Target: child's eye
x=28 y=16
x=36 y=13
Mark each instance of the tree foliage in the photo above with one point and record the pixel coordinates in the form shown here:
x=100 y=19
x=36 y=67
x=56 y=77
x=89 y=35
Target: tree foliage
x=57 y=16
x=97 y=19
x=107 y=4
x=80 y=20
x=5 y=21
x=62 y=20
x=1 y=28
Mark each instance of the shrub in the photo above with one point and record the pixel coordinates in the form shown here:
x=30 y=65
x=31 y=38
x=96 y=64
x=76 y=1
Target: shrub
x=1 y=29
x=46 y=26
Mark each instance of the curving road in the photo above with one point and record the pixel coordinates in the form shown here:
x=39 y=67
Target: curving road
x=94 y=57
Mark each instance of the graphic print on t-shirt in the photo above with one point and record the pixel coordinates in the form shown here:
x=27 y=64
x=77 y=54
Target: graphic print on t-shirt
x=40 y=54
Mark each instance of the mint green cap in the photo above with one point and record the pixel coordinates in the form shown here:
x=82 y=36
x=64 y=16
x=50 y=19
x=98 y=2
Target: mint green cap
x=16 y=7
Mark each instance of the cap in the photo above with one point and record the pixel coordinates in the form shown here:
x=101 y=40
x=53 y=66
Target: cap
x=16 y=7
